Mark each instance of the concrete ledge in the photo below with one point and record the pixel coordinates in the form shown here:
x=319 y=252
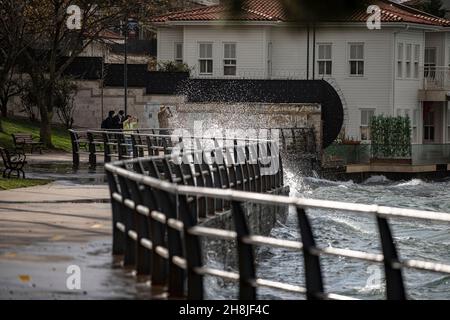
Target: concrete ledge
x=380 y=168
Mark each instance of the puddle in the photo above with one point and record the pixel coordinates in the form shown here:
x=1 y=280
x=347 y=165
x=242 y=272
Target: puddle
x=65 y=174
x=44 y=274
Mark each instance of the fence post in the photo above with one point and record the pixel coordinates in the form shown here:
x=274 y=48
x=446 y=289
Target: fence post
x=75 y=148
x=118 y=236
x=395 y=289
x=92 y=150
x=313 y=273
x=193 y=253
x=106 y=148
x=246 y=257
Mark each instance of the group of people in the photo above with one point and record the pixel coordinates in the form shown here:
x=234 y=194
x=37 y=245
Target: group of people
x=119 y=121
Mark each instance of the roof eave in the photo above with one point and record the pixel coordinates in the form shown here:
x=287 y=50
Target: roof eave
x=284 y=23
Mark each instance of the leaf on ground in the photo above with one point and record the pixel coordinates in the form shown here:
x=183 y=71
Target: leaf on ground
x=24 y=277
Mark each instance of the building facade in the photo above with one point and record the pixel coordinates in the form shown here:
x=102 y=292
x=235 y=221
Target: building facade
x=400 y=69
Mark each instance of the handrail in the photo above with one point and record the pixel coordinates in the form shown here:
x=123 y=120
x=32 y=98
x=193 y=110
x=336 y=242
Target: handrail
x=118 y=144
x=163 y=195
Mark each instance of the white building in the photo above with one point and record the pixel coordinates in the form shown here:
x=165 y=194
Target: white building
x=400 y=69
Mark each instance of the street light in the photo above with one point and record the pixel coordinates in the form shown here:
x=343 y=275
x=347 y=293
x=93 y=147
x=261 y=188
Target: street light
x=125 y=67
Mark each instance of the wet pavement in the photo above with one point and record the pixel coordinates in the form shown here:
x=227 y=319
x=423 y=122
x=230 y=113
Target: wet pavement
x=47 y=230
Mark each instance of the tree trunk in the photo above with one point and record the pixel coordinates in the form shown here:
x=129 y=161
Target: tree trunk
x=4 y=108
x=46 y=130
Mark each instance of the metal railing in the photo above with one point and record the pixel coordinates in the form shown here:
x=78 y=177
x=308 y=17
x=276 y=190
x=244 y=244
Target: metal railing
x=157 y=206
x=436 y=77
x=125 y=144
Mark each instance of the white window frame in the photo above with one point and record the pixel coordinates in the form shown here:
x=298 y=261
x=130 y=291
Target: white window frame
x=176 y=58
x=408 y=60
x=430 y=66
x=326 y=61
x=230 y=62
x=206 y=59
x=350 y=60
x=416 y=60
x=269 y=59
x=400 y=53
x=365 y=126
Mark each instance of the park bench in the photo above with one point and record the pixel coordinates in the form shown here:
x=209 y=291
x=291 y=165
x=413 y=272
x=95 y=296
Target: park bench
x=12 y=162
x=21 y=140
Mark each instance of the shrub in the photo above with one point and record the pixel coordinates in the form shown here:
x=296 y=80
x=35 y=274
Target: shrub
x=391 y=137
x=172 y=66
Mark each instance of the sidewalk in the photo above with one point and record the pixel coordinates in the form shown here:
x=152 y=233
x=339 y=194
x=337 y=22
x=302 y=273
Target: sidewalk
x=45 y=229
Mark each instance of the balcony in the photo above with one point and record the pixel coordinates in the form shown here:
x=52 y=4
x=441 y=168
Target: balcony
x=436 y=83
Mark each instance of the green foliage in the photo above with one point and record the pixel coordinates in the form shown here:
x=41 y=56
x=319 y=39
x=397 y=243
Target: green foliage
x=60 y=135
x=391 y=137
x=14 y=183
x=172 y=66
x=433 y=7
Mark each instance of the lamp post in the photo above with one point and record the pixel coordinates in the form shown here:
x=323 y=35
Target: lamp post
x=125 y=68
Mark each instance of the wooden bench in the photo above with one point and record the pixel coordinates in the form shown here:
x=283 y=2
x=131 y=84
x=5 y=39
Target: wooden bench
x=21 y=140
x=13 y=162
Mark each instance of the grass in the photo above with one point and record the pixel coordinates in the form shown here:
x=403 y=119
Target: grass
x=14 y=183
x=60 y=135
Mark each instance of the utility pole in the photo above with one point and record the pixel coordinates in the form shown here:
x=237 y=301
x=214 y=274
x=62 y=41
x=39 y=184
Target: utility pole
x=125 y=68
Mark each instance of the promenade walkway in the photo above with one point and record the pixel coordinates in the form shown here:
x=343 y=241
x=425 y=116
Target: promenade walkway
x=45 y=229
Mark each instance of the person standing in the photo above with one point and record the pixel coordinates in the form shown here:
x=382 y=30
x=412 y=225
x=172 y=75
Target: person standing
x=108 y=122
x=164 y=115
x=118 y=120
x=130 y=125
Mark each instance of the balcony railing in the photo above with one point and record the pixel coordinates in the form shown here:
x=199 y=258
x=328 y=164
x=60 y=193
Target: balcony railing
x=436 y=77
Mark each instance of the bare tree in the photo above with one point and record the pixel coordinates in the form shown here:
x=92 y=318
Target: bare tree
x=56 y=46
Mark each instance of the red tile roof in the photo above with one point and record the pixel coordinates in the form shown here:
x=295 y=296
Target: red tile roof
x=272 y=10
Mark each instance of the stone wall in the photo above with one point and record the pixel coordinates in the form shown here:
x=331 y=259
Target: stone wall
x=93 y=103
x=248 y=116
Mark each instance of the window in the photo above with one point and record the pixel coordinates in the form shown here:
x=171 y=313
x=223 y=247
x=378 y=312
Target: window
x=269 y=59
x=356 y=60
x=229 y=59
x=178 y=52
x=366 y=116
x=430 y=62
x=416 y=60
x=324 y=62
x=400 y=60
x=206 y=58
x=408 y=60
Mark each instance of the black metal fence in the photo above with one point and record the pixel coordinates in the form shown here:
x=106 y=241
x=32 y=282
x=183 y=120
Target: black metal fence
x=126 y=144
x=157 y=204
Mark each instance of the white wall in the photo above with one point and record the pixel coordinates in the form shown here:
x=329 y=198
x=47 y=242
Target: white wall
x=166 y=39
x=437 y=40
x=289 y=52
x=407 y=89
x=249 y=48
x=374 y=90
